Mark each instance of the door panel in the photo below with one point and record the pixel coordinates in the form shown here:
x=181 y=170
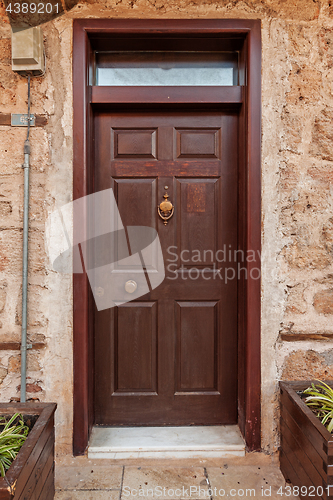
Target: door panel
x=135 y=349
x=198 y=204
x=197 y=143
x=196 y=334
x=130 y=192
x=137 y=143
x=170 y=356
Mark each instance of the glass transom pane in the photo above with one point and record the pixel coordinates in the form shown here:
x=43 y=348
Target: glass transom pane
x=166 y=68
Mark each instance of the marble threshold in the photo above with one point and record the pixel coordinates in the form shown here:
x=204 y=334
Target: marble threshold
x=212 y=441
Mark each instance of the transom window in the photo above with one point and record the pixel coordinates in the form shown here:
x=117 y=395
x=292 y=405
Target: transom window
x=166 y=68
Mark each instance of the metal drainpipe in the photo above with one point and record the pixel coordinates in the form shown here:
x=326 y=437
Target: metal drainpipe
x=24 y=346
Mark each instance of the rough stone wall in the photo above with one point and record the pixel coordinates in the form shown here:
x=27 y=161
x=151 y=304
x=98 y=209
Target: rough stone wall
x=297 y=197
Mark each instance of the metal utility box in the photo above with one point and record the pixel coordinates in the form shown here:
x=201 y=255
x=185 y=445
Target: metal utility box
x=28 y=50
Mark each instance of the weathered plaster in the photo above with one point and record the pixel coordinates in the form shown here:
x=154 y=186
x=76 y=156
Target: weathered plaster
x=297 y=161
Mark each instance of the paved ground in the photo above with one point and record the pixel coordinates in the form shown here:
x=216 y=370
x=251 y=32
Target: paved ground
x=254 y=476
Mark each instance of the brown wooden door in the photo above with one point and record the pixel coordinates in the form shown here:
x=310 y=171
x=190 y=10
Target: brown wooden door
x=170 y=356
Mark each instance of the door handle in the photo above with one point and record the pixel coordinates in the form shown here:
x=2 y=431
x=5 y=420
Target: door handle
x=131 y=286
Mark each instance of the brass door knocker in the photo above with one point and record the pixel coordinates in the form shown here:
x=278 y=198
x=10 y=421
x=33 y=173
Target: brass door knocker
x=166 y=208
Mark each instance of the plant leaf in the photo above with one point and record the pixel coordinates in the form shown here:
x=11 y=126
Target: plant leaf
x=12 y=437
x=320 y=399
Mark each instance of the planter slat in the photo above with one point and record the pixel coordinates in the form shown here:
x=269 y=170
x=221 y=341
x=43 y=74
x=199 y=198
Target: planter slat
x=307 y=422
x=306 y=444
x=29 y=464
x=35 y=480
x=318 y=431
x=303 y=460
x=302 y=440
x=48 y=490
x=295 y=479
x=5 y=494
x=297 y=401
x=31 y=475
x=34 y=436
x=288 y=468
x=45 y=472
x=26 y=408
x=305 y=480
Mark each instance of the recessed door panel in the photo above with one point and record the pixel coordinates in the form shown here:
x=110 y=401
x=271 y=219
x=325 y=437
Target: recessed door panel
x=131 y=144
x=135 y=348
x=197 y=347
x=136 y=200
x=197 y=143
x=199 y=204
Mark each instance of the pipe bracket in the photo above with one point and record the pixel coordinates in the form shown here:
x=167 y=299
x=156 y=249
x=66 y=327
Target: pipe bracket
x=25 y=348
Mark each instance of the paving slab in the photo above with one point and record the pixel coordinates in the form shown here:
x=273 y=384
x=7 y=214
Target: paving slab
x=254 y=476
x=253 y=458
x=87 y=495
x=88 y=477
x=168 y=482
x=248 y=481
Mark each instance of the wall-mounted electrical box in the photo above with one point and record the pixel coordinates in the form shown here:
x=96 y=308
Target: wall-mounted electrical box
x=28 y=50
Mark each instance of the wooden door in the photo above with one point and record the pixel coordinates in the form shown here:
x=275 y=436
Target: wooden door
x=170 y=356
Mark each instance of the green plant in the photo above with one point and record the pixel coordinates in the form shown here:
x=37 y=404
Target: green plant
x=320 y=400
x=12 y=438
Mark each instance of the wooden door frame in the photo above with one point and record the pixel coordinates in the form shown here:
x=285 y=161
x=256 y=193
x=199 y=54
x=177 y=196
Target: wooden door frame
x=237 y=34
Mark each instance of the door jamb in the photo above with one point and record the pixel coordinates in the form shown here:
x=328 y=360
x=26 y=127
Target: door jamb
x=85 y=34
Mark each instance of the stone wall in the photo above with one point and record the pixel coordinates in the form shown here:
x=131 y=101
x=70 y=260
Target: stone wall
x=297 y=197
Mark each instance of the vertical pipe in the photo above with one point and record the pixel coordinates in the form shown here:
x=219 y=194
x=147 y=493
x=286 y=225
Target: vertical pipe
x=25 y=259
x=25 y=273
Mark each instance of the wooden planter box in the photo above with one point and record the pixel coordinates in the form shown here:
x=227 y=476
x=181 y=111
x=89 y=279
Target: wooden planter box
x=31 y=475
x=306 y=451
